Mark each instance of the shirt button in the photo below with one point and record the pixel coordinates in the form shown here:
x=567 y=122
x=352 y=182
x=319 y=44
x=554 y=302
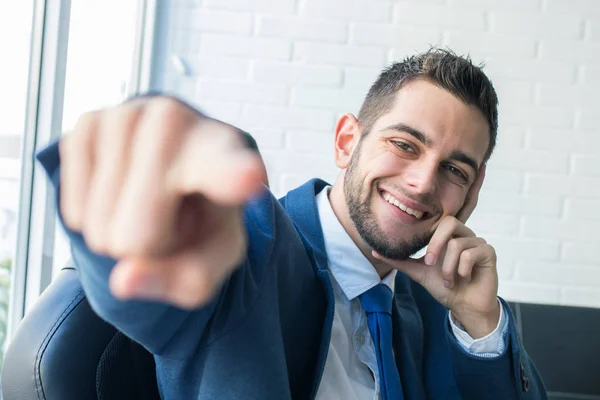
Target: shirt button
x=360 y=339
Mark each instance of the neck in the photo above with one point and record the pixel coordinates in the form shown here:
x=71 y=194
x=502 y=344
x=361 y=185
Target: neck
x=340 y=209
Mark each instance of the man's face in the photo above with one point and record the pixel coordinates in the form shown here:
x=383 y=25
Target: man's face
x=415 y=166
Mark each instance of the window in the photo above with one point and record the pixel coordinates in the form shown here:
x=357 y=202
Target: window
x=66 y=57
x=16 y=22
x=100 y=69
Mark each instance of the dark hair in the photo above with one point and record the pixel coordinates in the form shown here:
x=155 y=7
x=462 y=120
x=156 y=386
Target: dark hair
x=456 y=74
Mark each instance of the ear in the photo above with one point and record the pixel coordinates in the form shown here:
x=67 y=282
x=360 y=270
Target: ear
x=347 y=134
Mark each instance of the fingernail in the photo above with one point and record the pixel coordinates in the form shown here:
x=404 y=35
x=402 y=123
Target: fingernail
x=429 y=259
x=447 y=284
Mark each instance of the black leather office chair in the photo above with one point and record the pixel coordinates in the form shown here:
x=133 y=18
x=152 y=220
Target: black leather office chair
x=63 y=351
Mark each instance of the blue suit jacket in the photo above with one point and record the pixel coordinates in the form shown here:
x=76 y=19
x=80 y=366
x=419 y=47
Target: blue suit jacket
x=266 y=333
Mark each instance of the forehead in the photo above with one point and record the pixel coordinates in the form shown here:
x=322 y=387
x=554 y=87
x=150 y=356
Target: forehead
x=447 y=120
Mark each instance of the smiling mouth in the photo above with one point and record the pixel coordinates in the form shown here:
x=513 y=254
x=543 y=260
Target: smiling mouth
x=420 y=215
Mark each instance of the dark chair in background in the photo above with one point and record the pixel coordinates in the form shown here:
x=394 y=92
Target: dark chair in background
x=564 y=343
x=63 y=351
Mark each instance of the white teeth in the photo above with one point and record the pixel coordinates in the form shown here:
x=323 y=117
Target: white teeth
x=417 y=214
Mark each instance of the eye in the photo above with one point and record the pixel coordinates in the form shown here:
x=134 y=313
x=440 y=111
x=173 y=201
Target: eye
x=404 y=146
x=455 y=171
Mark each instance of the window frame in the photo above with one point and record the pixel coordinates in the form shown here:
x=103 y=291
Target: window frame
x=36 y=220
x=47 y=53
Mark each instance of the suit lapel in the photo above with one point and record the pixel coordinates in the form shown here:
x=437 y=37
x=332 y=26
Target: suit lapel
x=301 y=207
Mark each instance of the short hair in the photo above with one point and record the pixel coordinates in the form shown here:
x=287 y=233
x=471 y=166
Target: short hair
x=456 y=74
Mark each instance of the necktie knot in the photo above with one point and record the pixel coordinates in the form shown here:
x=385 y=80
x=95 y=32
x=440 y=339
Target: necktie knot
x=378 y=299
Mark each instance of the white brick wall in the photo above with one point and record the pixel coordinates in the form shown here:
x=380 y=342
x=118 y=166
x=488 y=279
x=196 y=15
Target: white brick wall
x=285 y=69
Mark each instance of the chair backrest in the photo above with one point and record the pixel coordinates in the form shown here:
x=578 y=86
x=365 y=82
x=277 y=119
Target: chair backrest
x=63 y=351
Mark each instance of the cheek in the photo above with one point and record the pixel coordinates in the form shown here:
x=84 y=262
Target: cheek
x=386 y=165
x=452 y=198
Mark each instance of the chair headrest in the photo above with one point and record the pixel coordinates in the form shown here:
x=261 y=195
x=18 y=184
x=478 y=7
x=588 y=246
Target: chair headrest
x=56 y=350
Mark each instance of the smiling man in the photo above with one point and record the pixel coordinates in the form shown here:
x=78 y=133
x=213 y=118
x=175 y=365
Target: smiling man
x=242 y=296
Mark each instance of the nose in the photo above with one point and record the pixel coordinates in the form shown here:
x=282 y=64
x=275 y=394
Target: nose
x=421 y=177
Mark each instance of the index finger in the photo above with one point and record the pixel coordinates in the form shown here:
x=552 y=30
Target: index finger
x=472 y=196
x=449 y=227
x=216 y=162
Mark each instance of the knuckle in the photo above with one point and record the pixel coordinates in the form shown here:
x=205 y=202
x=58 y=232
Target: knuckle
x=227 y=133
x=65 y=146
x=446 y=220
x=454 y=245
x=467 y=257
x=451 y=221
x=168 y=108
x=122 y=116
x=95 y=240
x=448 y=224
x=70 y=215
x=87 y=120
x=217 y=137
x=72 y=144
x=492 y=251
x=165 y=121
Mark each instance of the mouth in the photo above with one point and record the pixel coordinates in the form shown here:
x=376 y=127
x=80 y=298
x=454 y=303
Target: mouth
x=412 y=212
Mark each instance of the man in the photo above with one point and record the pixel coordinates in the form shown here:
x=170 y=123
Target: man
x=241 y=296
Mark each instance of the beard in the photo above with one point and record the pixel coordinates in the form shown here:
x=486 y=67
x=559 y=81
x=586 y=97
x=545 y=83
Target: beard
x=363 y=218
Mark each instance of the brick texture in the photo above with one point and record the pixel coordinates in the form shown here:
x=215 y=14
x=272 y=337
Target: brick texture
x=286 y=69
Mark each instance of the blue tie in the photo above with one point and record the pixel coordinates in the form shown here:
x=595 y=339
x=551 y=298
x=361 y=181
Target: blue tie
x=377 y=303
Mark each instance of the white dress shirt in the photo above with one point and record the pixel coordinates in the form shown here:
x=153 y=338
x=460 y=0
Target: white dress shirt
x=351 y=371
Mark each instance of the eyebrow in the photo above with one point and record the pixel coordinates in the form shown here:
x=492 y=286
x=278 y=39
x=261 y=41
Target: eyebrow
x=420 y=136
x=456 y=155
x=464 y=158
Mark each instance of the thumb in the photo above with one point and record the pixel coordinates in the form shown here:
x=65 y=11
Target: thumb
x=233 y=178
x=136 y=278
x=180 y=280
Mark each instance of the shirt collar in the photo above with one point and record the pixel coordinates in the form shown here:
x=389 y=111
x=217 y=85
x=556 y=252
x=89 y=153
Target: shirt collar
x=350 y=268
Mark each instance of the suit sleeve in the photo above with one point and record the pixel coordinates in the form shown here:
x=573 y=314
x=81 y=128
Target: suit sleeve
x=511 y=375
x=163 y=329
